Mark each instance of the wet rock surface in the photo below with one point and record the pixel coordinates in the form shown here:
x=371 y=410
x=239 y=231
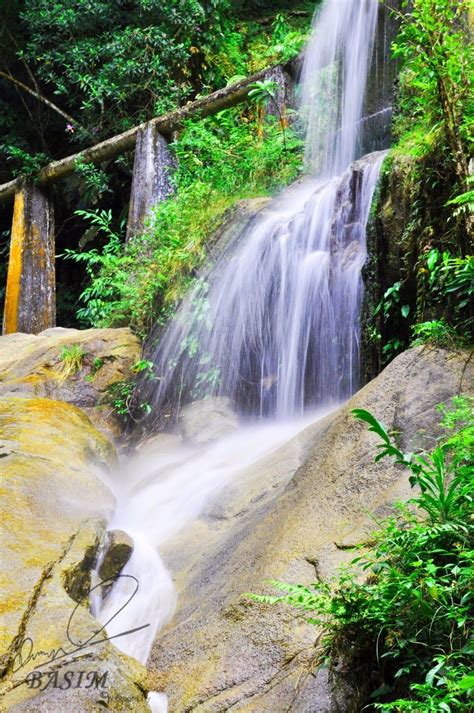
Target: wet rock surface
x=118 y=548
x=291 y=519
x=202 y=422
x=54 y=509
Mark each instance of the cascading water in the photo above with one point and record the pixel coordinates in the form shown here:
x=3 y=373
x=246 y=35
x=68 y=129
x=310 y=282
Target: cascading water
x=333 y=83
x=274 y=325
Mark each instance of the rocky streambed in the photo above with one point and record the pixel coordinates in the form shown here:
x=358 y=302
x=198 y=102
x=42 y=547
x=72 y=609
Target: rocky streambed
x=294 y=515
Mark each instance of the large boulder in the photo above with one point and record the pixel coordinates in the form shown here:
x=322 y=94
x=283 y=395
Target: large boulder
x=76 y=366
x=207 y=420
x=295 y=518
x=53 y=512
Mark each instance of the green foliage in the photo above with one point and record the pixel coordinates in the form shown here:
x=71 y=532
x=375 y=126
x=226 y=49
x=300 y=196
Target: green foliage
x=23 y=163
x=435 y=332
x=71 y=360
x=450 y=275
x=464 y=202
x=392 y=306
x=437 y=59
x=448 y=289
x=122 y=394
x=248 y=46
x=96 y=182
x=392 y=300
x=410 y=619
x=115 y=63
x=220 y=160
x=450 y=284
x=232 y=149
x=107 y=271
x=264 y=90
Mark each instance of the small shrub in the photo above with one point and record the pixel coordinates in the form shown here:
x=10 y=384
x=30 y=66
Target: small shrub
x=122 y=395
x=436 y=332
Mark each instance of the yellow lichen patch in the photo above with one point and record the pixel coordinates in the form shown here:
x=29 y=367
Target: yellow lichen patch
x=49 y=487
x=13 y=289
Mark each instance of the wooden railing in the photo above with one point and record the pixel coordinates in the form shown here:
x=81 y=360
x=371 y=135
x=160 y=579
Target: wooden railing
x=30 y=299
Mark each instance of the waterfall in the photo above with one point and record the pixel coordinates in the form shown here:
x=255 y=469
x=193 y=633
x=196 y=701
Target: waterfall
x=274 y=325
x=333 y=82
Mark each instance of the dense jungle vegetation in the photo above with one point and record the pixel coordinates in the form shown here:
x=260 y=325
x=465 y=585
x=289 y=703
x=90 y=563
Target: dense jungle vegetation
x=73 y=72
x=76 y=72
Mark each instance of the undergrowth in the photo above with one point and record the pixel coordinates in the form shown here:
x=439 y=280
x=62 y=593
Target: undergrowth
x=406 y=626
x=221 y=159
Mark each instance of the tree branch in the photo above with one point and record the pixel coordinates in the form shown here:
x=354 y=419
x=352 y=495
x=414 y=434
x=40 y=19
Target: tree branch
x=39 y=97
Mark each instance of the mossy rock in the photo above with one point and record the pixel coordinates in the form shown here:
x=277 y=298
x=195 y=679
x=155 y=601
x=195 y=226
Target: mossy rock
x=53 y=511
x=72 y=365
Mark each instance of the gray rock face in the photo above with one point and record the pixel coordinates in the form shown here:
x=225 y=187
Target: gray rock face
x=207 y=420
x=119 y=548
x=151 y=182
x=312 y=499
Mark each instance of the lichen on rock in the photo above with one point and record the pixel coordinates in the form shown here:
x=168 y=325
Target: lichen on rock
x=54 y=508
x=37 y=365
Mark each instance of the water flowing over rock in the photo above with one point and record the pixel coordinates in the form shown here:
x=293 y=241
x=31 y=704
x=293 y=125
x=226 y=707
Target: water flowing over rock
x=54 y=511
x=207 y=420
x=293 y=516
x=274 y=326
x=333 y=83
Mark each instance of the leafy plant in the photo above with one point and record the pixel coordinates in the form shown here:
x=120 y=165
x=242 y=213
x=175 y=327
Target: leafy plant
x=392 y=307
x=96 y=182
x=436 y=332
x=391 y=299
x=122 y=394
x=450 y=281
x=107 y=270
x=411 y=619
x=464 y=202
x=267 y=91
x=24 y=163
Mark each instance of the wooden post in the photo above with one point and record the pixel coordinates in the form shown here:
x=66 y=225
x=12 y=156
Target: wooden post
x=284 y=94
x=151 y=182
x=30 y=300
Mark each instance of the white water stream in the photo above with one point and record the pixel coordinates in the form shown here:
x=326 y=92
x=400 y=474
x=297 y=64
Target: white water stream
x=274 y=325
